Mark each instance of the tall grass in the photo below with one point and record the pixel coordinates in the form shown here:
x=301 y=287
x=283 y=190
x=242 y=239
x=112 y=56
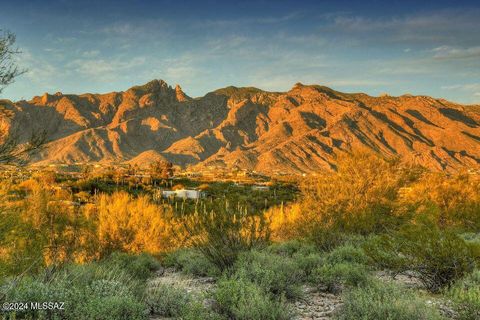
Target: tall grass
x=384 y=301
x=221 y=233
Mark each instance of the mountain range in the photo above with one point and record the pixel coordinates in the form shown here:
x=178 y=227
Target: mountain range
x=302 y=130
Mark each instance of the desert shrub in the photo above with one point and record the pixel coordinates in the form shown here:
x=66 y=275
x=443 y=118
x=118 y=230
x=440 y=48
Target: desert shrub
x=292 y=247
x=242 y=299
x=197 y=311
x=40 y=229
x=191 y=261
x=30 y=289
x=337 y=276
x=110 y=308
x=323 y=237
x=437 y=257
x=305 y=255
x=308 y=263
x=465 y=293
x=167 y=301
x=221 y=233
x=345 y=266
x=275 y=274
x=347 y=254
x=471 y=237
x=139 y=266
x=89 y=292
x=379 y=300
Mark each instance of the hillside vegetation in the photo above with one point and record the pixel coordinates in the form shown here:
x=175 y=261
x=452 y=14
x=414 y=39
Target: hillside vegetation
x=113 y=250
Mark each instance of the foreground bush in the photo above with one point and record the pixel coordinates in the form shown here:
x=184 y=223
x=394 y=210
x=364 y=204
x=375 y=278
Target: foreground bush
x=191 y=261
x=336 y=277
x=222 y=233
x=139 y=266
x=384 y=301
x=291 y=248
x=110 y=289
x=169 y=301
x=305 y=255
x=275 y=274
x=347 y=253
x=466 y=296
x=343 y=267
x=241 y=299
x=166 y=300
x=89 y=292
x=437 y=257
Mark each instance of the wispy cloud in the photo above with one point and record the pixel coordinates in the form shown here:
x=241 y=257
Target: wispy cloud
x=448 y=52
x=417 y=49
x=248 y=21
x=472 y=89
x=465 y=87
x=105 y=69
x=90 y=53
x=37 y=69
x=449 y=25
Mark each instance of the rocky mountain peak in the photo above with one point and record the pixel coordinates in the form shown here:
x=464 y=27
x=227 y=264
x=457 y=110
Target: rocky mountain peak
x=154 y=86
x=180 y=95
x=301 y=130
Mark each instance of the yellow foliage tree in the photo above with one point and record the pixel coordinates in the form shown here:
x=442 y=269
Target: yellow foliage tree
x=449 y=200
x=359 y=197
x=133 y=224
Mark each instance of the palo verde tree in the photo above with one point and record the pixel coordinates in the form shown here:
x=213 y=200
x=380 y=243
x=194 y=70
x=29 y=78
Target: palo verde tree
x=8 y=68
x=12 y=149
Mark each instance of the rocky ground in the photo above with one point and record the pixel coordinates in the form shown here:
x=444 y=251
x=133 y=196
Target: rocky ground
x=410 y=281
x=198 y=286
x=315 y=304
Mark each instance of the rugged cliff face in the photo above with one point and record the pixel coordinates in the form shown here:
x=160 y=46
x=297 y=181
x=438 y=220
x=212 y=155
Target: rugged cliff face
x=296 y=131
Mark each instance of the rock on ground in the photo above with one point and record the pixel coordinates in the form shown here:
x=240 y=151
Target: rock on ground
x=316 y=305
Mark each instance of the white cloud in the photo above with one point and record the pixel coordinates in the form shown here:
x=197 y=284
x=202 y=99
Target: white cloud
x=448 y=52
x=463 y=87
x=221 y=23
x=472 y=89
x=103 y=69
x=90 y=53
x=37 y=69
x=452 y=26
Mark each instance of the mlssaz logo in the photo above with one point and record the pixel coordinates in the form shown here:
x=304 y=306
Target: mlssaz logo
x=47 y=305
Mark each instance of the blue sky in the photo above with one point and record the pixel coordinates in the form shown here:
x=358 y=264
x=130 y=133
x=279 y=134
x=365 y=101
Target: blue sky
x=397 y=47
